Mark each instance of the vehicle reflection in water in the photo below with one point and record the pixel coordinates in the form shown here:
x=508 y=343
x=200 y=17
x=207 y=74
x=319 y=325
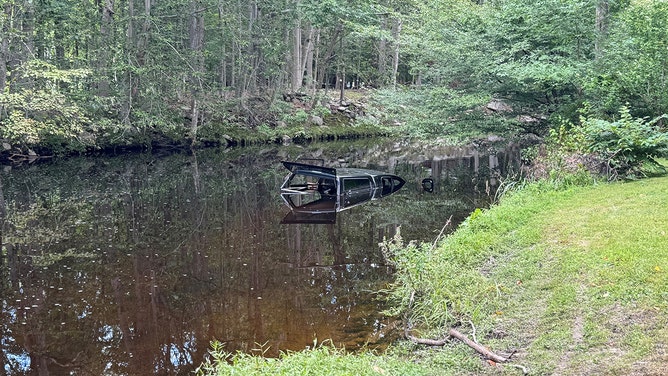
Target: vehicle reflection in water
x=315 y=194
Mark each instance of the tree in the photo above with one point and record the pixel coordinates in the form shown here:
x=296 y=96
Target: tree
x=633 y=63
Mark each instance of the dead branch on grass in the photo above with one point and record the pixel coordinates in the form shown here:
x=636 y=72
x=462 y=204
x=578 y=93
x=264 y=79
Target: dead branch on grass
x=486 y=353
x=453 y=333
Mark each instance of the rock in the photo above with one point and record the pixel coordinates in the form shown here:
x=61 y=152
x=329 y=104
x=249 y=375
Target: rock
x=6 y=146
x=286 y=140
x=530 y=139
x=87 y=137
x=527 y=119
x=498 y=105
x=281 y=124
x=316 y=120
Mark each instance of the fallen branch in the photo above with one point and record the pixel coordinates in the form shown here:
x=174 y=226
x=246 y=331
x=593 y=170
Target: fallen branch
x=486 y=353
x=426 y=341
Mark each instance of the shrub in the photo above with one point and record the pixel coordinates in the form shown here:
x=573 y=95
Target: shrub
x=626 y=144
x=625 y=148
x=42 y=118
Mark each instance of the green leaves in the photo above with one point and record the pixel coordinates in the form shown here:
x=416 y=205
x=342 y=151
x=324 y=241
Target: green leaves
x=626 y=143
x=632 y=68
x=39 y=69
x=37 y=117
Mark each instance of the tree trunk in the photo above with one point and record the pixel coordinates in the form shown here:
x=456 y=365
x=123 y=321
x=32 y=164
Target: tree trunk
x=306 y=65
x=341 y=69
x=129 y=45
x=106 y=30
x=297 y=71
x=251 y=59
x=602 y=9
x=26 y=46
x=196 y=45
x=4 y=45
x=342 y=84
x=58 y=39
x=329 y=56
x=315 y=57
x=396 y=32
x=144 y=38
x=382 y=54
x=223 y=54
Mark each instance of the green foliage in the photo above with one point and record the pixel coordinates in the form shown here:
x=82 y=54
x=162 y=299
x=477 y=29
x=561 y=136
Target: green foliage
x=299 y=117
x=138 y=75
x=49 y=116
x=567 y=137
x=542 y=51
x=632 y=67
x=44 y=119
x=439 y=112
x=443 y=43
x=627 y=143
x=52 y=76
x=322 y=359
x=460 y=293
x=625 y=148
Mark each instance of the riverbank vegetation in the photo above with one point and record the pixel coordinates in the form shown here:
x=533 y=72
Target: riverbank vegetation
x=80 y=77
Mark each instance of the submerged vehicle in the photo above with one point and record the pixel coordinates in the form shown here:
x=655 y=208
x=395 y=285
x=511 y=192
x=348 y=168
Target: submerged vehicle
x=315 y=193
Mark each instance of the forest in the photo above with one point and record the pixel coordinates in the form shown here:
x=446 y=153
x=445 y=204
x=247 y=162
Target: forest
x=82 y=75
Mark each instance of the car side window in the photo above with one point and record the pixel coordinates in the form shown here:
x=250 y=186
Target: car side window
x=350 y=184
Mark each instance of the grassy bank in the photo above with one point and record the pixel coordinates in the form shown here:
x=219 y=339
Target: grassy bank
x=571 y=281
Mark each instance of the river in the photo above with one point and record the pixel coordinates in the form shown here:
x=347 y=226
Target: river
x=133 y=264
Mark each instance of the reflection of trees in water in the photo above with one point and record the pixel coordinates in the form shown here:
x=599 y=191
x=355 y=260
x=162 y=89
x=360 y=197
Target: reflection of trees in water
x=134 y=265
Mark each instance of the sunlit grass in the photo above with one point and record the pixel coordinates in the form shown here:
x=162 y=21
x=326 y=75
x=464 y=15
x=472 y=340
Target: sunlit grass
x=602 y=285
x=321 y=360
x=563 y=274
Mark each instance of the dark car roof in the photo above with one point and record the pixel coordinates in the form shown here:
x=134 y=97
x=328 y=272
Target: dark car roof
x=340 y=172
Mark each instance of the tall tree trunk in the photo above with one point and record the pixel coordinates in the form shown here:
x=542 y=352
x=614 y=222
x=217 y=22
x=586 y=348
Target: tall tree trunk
x=297 y=72
x=106 y=31
x=25 y=46
x=248 y=58
x=145 y=35
x=307 y=57
x=129 y=79
x=58 y=39
x=196 y=33
x=602 y=9
x=4 y=45
x=329 y=56
x=396 y=33
x=223 y=55
x=315 y=58
x=382 y=54
x=341 y=72
x=28 y=31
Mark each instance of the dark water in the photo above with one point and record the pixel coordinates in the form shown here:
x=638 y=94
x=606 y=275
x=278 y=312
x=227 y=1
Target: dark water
x=132 y=265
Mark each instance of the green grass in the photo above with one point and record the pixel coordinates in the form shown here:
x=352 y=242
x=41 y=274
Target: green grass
x=573 y=281
x=606 y=286
x=322 y=360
